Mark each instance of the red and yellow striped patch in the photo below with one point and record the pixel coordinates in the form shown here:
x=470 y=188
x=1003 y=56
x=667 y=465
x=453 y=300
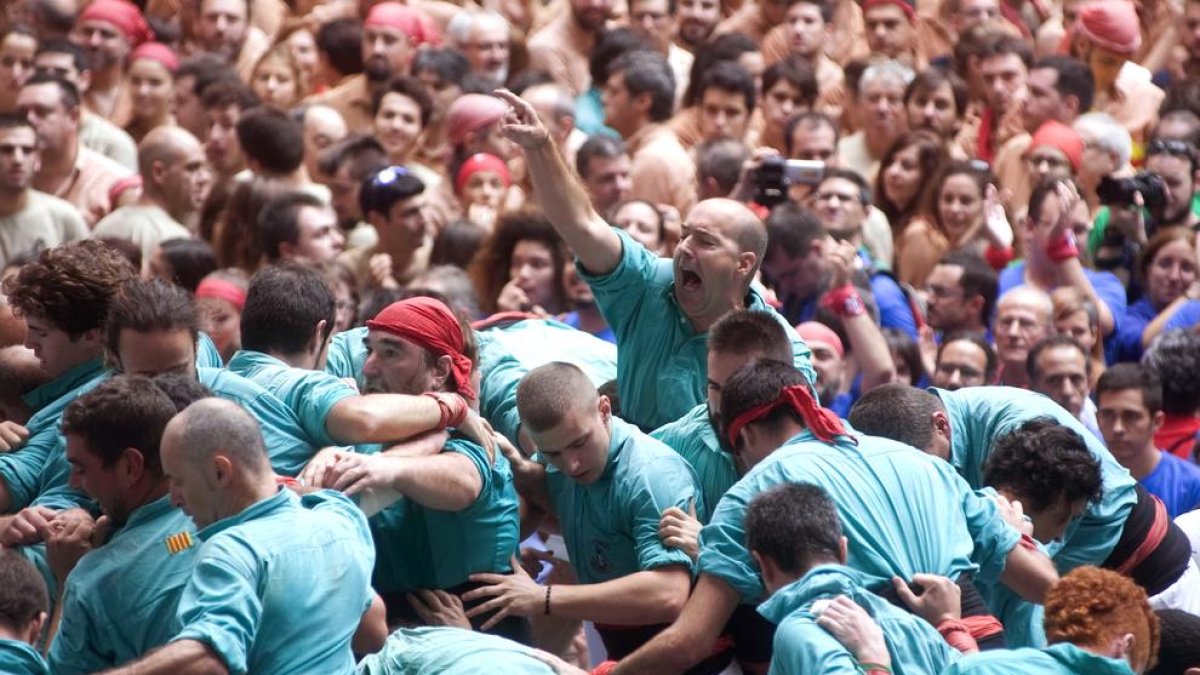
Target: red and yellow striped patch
x=178 y=542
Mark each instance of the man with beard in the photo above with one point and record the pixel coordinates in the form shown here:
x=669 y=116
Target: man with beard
x=29 y=219
x=695 y=21
x=563 y=47
x=482 y=35
x=392 y=33
x=108 y=30
x=960 y=294
x=223 y=28
x=660 y=310
x=175 y=182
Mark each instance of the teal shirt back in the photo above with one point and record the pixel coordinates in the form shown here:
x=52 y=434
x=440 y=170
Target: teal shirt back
x=311 y=394
x=282 y=586
x=611 y=526
x=120 y=600
x=440 y=650
x=662 y=363
x=346 y=354
x=802 y=647
x=419 y=547
x=1060 y=659
x=693 y=437
x=903 y=512
x=980 y=415
x=22 y=470
x=18 y=658
x=508 y=351
x=288 y=446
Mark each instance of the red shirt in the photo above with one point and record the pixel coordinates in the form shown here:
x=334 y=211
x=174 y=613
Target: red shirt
x=1177 y=435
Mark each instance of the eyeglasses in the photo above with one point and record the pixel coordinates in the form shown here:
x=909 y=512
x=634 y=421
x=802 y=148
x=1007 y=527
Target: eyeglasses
x=1168 y=146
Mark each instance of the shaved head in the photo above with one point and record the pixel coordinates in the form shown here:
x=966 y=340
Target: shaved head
x=548 y=393
x=213 y=425
x=165 y=144
x=746 y=228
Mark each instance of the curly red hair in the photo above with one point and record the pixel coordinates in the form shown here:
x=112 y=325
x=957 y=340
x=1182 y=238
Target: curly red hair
x=1090 y=607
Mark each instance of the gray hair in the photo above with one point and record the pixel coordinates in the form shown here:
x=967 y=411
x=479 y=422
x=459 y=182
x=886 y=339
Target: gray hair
x=213 y=425
x=890 y=70
x=459 y=28
x=1107 y=134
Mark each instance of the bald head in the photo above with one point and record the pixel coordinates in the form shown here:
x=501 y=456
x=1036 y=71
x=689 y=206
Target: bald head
x=323 y=126
x=174 y=170
x=165 y=144
x=547 y=394
x=213 y=426
x=1030 y=298
x=746 y=228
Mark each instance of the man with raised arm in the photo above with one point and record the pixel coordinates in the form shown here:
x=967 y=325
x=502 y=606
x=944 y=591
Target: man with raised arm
x=660 y=310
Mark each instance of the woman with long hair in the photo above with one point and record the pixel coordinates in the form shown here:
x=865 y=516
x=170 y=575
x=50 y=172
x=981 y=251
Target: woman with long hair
x=520 y=267
x=905 y=169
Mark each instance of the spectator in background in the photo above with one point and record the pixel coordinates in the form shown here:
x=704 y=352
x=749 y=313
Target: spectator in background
x=1061 y=368
x=1129 y=400
x=1024 y=317
x=964 y=360
x=1175 y=359
x=960 y=294
x=603 y=164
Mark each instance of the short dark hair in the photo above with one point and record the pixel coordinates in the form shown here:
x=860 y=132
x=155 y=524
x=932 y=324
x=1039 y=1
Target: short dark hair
x=899 y=412
x=791 y=230
x=283 y=306
x=1003 y=44
x=148 y=307
x=611 y=44
x=71 y=285
x=1074 y=78
x=931 y=79
x=1179 y=642
x=825 y=7
x=23 y=595
x=124 y=411
x=1175 y=358
x=1054 y=342
x=409 y=87
x=15 y=121
x=729 y=76
x=797 y=72
x=190 y=259
x=808 y=119
x=225 y=93
x=272 y=138
x=991 y=361
x=447 y=63
x=864 y=189
x=758 y=383
x=1043 y=462
x=978 y=278
x=648 y=72
x=206 y=69
x=721 y=159
x=181 y=389
x=796 y=525
x=362 y=153
x=68 y=93
x=278 y=222
x=340 y=41
x=748 y=331
x=1124 y=376
x=383 y=188
x=62 y=45
x=599 y=145
x=724 y=47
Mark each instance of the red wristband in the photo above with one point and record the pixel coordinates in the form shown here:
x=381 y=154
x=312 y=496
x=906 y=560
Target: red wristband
x=957 y=635
x=844 y=301
x=604 y=668
x=1063 y=247
x=453 y=408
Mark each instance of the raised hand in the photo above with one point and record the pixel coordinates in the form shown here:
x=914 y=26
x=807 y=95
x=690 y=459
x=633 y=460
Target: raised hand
x=521 y=123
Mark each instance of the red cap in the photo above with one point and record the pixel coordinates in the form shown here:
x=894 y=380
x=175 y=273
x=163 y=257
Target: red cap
x=481 y=161
x=910 y=10
x=814 y=331
x=419 y=28
x=1061 y=136
x=124 y=15
x=156 y=51
x=1112 y=25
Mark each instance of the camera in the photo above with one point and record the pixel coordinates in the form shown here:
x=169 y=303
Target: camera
x=775 y=174
x=1118 y=192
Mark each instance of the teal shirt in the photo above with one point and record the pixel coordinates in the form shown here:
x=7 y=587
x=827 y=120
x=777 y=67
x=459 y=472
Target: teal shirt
x=18 y=658
x=287 y=444
x=802 y=647
x=419 y=547
x=281 y=586
x=207 y=355
x=980 y=415
x=662 y=366
x=611 y=526
x=22 y=470
x=346 y=354
x=693 y=437
x=903 y=511
x=1060 y=659
x=508 y=351
x=120 y=600
x=311 y=394
x=440 y=650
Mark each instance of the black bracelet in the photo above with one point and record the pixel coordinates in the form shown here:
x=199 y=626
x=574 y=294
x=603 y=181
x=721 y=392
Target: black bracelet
x=547 y=610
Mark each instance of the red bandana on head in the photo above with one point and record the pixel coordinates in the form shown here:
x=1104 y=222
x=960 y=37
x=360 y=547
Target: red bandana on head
x=124 y=15
x=822 y=422
x=432 y=325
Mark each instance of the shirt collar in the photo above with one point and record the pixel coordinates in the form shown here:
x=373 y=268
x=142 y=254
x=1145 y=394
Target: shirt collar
x=63 y=384
x=282 y=499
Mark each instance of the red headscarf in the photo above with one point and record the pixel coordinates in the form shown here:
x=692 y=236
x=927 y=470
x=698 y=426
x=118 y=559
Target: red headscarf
x=124 y=15
x=430 y=324
x=822 y=422
x=481 y=161
x=909 y=8
x=419 y=28
x=156 y=51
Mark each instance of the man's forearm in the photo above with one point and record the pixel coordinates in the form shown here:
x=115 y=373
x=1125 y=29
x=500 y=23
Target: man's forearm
x=1072 y=272
x=639 y=599
x=445 y=482
x=871 y=349
x=1029 y=573
x=182 y=657
x=381 y=418
x=690 y=639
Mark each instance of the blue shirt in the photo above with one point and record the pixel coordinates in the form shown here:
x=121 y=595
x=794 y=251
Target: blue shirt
x=1186 y=317
x=19 y=658
x=903 y=512
x=1176 y=482
x=1129 y=338
x=895 y=311
x=120 y=600
x=1060 y=659
x=611 y=526
x=281 y=586
x=572 y=319
x=1107 y=286
x=440 y=650
x=802 y=647
x=662 y=367
x=311 y=394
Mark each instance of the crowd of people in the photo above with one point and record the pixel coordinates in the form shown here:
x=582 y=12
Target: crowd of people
x=600 y=336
